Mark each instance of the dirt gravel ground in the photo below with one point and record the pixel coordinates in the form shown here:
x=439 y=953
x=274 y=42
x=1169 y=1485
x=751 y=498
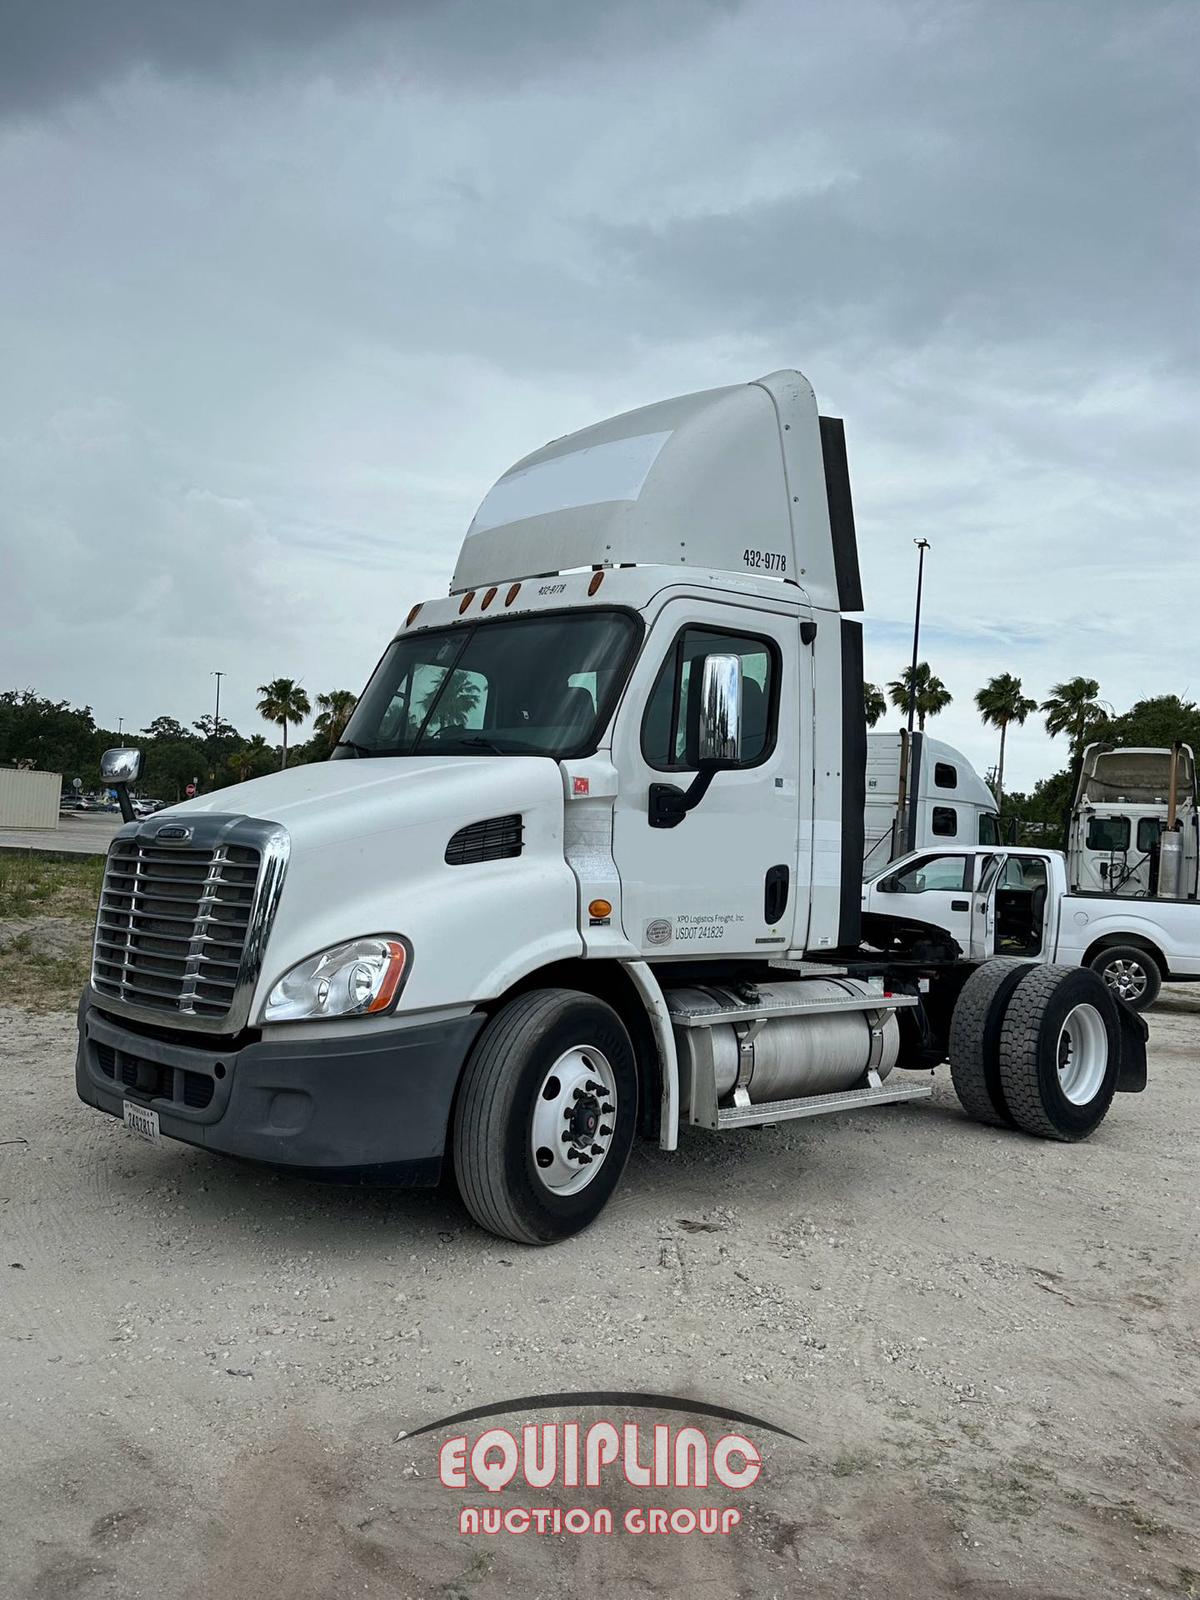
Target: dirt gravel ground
x=985 y=1344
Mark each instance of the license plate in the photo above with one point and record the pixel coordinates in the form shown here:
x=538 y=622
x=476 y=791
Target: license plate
x=140 y=1120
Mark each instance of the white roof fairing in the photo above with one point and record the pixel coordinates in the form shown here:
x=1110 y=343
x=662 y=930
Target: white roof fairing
x=729 y=479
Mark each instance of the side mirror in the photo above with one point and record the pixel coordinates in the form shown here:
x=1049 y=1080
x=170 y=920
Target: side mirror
x=719 y=731
x=714 y=740
x=118 y=769
x=120 y=766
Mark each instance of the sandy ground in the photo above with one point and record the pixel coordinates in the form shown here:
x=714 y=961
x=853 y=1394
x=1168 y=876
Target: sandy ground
x=986 y=1345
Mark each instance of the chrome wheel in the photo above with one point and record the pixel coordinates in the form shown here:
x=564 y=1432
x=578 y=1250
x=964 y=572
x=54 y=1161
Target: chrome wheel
x=1082 y=1055
x=1127 y=979
x=574 y=1118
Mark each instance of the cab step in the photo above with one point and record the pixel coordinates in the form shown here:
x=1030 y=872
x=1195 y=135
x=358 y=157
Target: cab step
x=816 y=1105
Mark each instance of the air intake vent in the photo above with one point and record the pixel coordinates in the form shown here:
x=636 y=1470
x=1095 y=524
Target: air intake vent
x=493 y=840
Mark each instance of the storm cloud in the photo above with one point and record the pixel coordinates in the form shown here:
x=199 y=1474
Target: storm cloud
x=287 y=285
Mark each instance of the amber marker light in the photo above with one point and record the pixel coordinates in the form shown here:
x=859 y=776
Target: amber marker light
x=487 y=599
x=397 y=957
x=413 y=614
x=512 y=594
x=465 y=601
x=599 y=908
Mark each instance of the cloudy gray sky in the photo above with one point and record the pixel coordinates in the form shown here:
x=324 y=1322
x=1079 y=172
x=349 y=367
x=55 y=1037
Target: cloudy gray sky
x=285 y=284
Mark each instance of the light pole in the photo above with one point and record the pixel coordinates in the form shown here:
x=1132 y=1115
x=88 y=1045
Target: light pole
x=922 y=545
x=217 y=714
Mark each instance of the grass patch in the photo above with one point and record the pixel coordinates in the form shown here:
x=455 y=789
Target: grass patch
x=47 y=911
x=33 y=886
x=851 y=1462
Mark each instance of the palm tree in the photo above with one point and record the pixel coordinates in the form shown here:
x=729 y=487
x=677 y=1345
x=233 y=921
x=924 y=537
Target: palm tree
x=242 y=764
x=283 y=701
x=930 y=693
x=333 y=713
x=1000 y=702
x=874 y=703
x=1074 y=709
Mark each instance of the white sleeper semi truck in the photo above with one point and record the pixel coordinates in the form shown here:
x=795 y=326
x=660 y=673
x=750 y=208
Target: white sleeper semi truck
x=588 y=863
x=921 y=791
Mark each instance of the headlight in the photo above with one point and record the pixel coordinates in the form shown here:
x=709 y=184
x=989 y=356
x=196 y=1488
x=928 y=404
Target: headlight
x=359 y=978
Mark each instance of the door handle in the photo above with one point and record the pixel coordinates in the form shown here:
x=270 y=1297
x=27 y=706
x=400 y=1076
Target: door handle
x=775 y=894
x=960 y=905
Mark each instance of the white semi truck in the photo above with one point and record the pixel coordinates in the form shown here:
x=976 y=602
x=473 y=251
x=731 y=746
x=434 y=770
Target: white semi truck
x=588 y=863
x=1021 y=902
x=921 y=791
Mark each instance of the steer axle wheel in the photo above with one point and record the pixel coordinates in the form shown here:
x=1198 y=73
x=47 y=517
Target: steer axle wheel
x=545 y=1116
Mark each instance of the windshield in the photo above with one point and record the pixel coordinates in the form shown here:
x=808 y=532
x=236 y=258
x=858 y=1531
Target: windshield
x=540 y=686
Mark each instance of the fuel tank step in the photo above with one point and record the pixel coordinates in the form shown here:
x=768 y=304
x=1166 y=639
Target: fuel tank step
x=816 y=1105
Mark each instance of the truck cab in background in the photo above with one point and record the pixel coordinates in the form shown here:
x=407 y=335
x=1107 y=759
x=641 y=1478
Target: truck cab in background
x=920 y=792
x=1126 y=801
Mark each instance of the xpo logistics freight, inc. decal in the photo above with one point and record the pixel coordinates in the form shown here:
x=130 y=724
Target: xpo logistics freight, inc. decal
x=603 y=1476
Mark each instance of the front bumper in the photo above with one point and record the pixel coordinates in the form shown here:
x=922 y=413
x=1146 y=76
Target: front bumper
x=364 y=1109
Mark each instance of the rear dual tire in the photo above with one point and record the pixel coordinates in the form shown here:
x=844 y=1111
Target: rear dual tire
x=1036 y=1048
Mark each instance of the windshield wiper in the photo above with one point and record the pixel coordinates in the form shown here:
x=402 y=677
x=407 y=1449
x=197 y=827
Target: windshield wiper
x=478 y=742
x=352 y=744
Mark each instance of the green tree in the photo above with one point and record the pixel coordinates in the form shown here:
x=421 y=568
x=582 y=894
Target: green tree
x=1000 y=703
x=874 y=703
x=1074 y=709
x=1157 y=722
x=53 y=735
x=163 y=728
x=930 y=692
x=283 y=701
x=333 y=713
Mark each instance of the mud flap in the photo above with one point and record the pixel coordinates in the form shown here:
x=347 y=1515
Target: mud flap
x=1134 y=1032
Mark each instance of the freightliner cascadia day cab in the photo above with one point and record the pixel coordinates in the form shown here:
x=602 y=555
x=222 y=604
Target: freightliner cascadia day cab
x=588 y=863
x=920 y=792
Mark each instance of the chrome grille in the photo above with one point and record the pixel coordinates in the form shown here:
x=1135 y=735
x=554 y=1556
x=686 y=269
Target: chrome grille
x=173 y=926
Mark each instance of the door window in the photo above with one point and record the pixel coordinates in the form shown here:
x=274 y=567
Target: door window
x=673 y=706
x=931 y=872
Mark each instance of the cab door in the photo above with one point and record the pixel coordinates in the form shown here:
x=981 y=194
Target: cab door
x=723 y=879
x=933 y=888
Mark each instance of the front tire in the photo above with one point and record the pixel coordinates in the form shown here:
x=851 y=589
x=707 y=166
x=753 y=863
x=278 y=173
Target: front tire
x=1060 y=1052
x=545 y=1116
x=1132 y=974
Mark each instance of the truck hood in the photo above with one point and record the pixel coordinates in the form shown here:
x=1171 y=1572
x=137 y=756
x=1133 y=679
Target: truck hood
x=368 y=855
x=344 y=801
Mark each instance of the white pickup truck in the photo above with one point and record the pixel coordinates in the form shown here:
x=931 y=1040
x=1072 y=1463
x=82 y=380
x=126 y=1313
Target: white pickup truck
x=1018 y=902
